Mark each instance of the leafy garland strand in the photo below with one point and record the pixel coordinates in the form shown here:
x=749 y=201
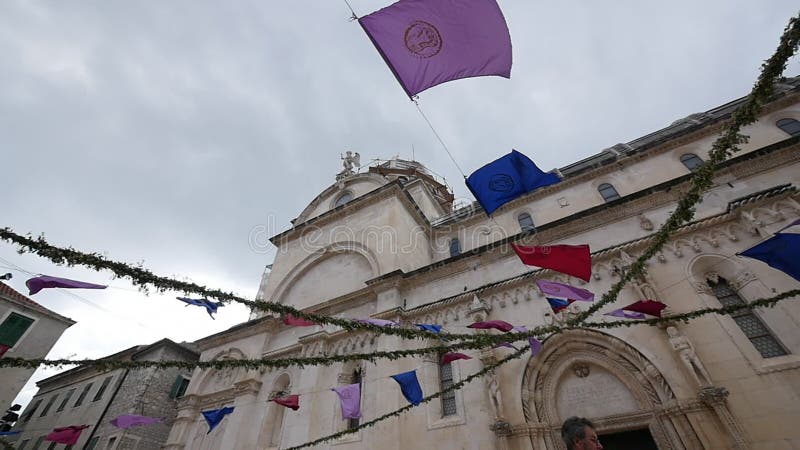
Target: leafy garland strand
x=722 y=148
x=483 y=342
x=685 y=211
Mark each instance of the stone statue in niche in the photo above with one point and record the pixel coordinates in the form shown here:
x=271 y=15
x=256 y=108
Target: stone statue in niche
x=685 y=350
x=495 y=398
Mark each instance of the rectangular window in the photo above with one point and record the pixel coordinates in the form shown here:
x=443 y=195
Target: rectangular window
x=111 y=442
x=38 y=443
x=29 y=413
x=102 y=389
x=92 y=443
x=445 y=381
x=179 y=387
x=52 y=446
x=81 y=397
x=13 y=328
x=66 y=399
x=23 y=444
x=48 y=405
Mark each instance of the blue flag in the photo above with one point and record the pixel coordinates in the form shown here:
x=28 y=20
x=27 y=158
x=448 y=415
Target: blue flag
x=215 y=416
x=558 y=304
x=429 y=327
x=211 y=307
x=505 y=179
x=410 y=386
x=781 y=251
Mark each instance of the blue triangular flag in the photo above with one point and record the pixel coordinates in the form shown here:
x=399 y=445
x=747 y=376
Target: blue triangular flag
x=215 y=416
x=410 y=386
x=429 y=327
x=505 y=179
x=780 y=251
x=211 y=307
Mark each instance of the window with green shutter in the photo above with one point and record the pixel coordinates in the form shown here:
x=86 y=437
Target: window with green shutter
x=13 y=328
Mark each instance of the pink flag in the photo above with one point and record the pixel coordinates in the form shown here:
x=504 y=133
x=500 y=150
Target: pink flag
x=3 y=349
x=649 y=307
x=132 y=420
x=496 y=324
x=350 y=398
x=426 y=42
x=290 y=401
x=66 y=435
x=447 y=358
x=553 y=289
x=297 y=321
x=36 y=284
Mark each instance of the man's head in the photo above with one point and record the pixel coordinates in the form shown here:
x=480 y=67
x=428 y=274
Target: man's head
x=578 y=433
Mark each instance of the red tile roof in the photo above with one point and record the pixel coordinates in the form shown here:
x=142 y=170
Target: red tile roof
x=7 y=292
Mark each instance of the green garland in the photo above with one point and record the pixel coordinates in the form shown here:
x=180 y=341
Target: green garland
x=484 y=341
x=722 y=148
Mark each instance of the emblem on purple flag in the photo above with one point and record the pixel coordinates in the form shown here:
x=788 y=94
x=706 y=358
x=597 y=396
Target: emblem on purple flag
x=36 y=284
x=429 y=42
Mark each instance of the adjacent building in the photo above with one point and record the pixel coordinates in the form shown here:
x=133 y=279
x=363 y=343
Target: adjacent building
x=388 y=243
x=27 y=330
x=87 y=396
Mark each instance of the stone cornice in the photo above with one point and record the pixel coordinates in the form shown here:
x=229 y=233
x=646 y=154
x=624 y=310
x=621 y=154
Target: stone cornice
x=241 y=331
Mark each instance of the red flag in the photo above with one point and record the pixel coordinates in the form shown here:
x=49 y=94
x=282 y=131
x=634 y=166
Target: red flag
x=572 y=260
x=649 y=307
x=290 y=401
x=496 y=324
x=296 y=321
x=450 y=357
x=3 y=349
x=66 y=435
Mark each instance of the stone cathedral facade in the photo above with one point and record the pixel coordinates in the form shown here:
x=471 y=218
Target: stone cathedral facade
x=387 y=243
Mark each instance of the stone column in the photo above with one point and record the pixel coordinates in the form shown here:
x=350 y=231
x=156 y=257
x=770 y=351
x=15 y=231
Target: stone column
x=716 y=398
x=187 y=413
x=242 y=434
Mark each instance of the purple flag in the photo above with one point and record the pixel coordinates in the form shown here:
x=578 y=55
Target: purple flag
x=536 y=345
x=553 y=289
x=625 y=314
x=378 y=322
x=350 y=396
x=429 y=42
x=132 y=420
x=36 y=284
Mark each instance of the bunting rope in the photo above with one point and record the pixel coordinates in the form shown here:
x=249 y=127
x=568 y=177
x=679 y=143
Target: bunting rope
x=481 y=341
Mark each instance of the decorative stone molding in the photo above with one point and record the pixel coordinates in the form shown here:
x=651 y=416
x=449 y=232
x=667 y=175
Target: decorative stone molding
x=717 y=399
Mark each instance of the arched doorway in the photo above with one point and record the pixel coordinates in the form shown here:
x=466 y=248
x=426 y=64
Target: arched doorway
x=598 y=376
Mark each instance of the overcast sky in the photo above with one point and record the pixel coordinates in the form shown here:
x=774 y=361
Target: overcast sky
x=178 y=133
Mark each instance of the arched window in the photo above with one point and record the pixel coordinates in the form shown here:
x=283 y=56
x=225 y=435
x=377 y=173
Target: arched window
x=344 y=198
x=751 y=325
x=445 y=381
x=790 y=126
x=525 y=222
x=608 y=192
x=455 y=247
x=691 y=161
x=272 y=427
